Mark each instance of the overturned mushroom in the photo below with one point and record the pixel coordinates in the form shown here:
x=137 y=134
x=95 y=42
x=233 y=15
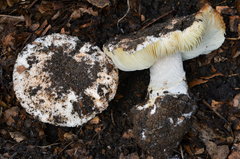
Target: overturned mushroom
x=60 y=80
x=165 y=117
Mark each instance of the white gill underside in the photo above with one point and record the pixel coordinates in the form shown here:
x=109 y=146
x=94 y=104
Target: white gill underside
x=166 y=77
x=203 y=36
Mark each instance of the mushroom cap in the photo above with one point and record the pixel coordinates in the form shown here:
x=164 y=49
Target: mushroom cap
x=62 y=81
x=192 y=35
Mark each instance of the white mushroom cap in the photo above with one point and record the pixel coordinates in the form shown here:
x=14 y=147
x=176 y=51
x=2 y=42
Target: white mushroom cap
x=192 y=35
x=60 y=80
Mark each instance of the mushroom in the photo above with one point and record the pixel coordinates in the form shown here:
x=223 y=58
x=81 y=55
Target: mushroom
x=62 y=81
x=160 y=123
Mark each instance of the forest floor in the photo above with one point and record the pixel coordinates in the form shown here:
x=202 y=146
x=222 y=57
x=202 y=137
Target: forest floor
x=214 y=80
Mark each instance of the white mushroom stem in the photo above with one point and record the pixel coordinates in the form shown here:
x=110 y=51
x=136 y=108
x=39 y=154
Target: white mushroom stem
x=166 y=77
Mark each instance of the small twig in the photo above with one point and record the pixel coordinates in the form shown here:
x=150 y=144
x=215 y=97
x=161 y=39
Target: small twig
x=13 y=155
x=209 y=106
x=112 y=117
x=43 y=147
x=129 y=7
x=238 y=38
x=30 y=6
x=65 y=147
x=181 y=150
x=157 y=19
x=221 y=3
x=26 y=40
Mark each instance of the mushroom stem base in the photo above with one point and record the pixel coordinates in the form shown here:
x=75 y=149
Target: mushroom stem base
x=159 y=133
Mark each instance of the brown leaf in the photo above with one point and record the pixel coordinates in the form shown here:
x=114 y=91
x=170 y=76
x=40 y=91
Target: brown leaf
x=188 y=150
x=97 y=129
x=34 y=26
x=11 y=19
x=225 y=10
x=9 y=40
x=214 y=75
x=235 y=152
x=99 y=3
x=69 y=136
x=95 y=120
x=233 y=23
x=216 y=152
x=11 y=2
x=9 y=114
x=238 y=6
x=43 y=25
x=89 y=11
x=45 y=30
x=237 y=53
x=56 y=16
x=85 y=25
x=216 y=105
x=28 y=21
x=128 y=134
x=131 y=156
x=17 y=136
x=20 y=69
x=195 y=82
x=205 y=60
x=236 y=101
x=75 y=14
x=199 y=151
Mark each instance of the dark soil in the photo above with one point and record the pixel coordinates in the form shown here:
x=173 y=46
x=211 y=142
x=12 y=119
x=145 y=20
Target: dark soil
x=111 y=137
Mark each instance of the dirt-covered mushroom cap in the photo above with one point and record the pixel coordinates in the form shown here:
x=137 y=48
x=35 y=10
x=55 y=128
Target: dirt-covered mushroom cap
x=192 y=35
x=60 y=80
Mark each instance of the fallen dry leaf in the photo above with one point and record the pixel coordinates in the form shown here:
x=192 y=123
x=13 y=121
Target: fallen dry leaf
x=199 y=151
x=216 y=105
x=17 y=136
x=9 y=40
x=225 y=10
x=131 y=156
x=45 y=30
x=233 y=23
x=69 y=136
x=238 y=6
x=188 y=150
x=11 y=2
x=235 y=152
x=203 y=80
x=95 y=120
x=205 y=60
x=56 y=16
x=11 y=19
x=9 y=114
x=99 y=3
x=28 y=21
x=216 y=152
x=236 y=101
x=34 y=26
x=214 y=75
x=79 y=12
x=218 y=59
x=128 y=134
x=237 y=53
x=89 y=11
x=98 y=129
x=195 y=82
x=20 y=69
